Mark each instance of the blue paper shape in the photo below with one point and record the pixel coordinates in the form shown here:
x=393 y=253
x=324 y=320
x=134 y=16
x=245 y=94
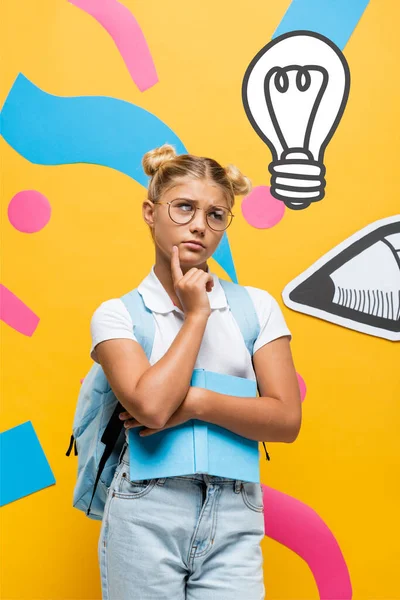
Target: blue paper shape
x=24 y=468
x=53 y=130
x=335 y=19
x=223 y=256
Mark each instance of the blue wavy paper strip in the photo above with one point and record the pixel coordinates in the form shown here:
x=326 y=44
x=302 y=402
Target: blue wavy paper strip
x=336 y=19
x=223 y=256
x=24 y=468
x=53 y=130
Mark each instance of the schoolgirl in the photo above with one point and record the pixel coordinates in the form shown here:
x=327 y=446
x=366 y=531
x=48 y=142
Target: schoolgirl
x=195 y=536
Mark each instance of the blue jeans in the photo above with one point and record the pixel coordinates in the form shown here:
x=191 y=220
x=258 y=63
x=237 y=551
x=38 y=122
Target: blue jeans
x=189 y=537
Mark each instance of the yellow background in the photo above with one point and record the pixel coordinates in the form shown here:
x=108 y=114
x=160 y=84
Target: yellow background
x=345 y=463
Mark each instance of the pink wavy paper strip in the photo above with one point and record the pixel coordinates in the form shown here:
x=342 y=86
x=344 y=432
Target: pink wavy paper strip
x=16 y=314
x=302 y=386
x=299 y=528
x=122 y=26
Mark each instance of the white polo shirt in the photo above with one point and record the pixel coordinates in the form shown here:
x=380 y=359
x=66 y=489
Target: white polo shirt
x=222 y=348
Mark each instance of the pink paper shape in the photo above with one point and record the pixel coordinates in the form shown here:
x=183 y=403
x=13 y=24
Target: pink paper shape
x=122 y=26
x=29 y=211
x=299 y=528
x=16 y=314
x=261 y=209
x=302 y=386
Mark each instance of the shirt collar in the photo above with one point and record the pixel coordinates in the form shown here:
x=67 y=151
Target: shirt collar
x=157 y=300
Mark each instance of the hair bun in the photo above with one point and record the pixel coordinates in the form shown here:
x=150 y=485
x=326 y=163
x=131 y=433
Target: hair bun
x=153 y=159
x=241 y=185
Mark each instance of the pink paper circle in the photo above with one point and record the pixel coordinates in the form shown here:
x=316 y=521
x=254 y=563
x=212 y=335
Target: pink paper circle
x=29 y=211
x=261 y=209
x=302 y=386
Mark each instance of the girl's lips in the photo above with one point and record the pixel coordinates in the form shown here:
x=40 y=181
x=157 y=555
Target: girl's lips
x=193 y=246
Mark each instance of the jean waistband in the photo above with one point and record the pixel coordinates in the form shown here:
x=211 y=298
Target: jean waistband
x=203 y=477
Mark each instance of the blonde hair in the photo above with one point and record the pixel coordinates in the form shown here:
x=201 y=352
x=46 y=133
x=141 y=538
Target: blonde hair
x=165 y=166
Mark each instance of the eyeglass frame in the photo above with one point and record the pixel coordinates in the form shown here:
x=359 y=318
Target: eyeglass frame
x=194 y=214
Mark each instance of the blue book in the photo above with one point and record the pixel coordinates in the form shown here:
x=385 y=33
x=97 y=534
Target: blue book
x=197 y=446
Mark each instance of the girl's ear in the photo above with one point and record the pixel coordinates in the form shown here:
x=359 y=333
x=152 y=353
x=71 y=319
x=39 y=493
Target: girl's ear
x=148 y=212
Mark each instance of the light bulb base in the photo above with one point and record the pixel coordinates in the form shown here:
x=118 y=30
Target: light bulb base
x=297 y=179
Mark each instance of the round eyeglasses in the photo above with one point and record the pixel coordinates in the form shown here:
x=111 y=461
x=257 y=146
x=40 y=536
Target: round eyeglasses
x=182 y=211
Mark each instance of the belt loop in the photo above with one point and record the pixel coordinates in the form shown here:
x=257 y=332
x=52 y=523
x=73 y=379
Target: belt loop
x=161 y=480
x=122 y=453
x=238 y=485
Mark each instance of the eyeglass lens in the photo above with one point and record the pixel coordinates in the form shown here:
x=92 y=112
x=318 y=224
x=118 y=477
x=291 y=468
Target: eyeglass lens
x=181 y=211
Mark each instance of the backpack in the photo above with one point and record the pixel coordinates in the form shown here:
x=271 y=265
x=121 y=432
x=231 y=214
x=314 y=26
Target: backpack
x=98 y=434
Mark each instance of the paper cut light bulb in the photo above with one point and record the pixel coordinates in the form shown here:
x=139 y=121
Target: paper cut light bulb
x=294 y=93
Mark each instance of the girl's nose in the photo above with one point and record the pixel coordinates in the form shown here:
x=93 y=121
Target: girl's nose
x=199 y=220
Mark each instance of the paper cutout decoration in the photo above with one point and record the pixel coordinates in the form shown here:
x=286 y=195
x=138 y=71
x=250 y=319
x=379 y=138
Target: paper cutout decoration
x=335 y=20
x=16 y=313
x=356 y=284
x=223 y=256
x=29 y=211
x=294 y=93
x=261 y=209
x=21 y=449
x=53 y=130
x=302 y=386
x=298 y=527
x=127 y=35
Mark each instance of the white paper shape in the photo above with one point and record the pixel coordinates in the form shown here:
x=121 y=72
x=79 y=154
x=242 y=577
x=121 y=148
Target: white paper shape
x=356 y=284
x=294 y=93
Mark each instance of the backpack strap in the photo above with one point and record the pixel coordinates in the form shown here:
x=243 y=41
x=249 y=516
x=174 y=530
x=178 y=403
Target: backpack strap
x=143 y=326
x=245 y=315
x=142 y=319
x=243 y=310
x=109 y=439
